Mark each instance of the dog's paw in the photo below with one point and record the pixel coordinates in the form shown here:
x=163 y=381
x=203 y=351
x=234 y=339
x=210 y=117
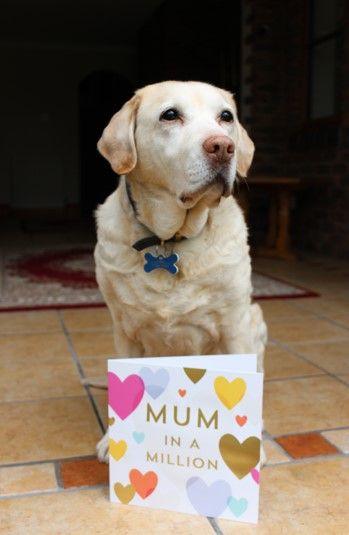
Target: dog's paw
x=103 y=449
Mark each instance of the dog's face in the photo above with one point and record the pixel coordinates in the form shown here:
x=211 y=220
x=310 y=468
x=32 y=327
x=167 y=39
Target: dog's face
x=182 y=136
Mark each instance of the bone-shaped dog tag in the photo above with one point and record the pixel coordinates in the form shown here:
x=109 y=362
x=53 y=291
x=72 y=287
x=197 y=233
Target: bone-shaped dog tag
x=161 y=262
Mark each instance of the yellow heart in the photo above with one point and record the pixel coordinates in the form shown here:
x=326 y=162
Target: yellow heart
x=111 y=421
x=117 y=449
x=124 y=493
x=229 y=392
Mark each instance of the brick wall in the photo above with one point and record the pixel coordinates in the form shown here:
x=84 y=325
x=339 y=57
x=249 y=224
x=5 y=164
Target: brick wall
x=275 y=110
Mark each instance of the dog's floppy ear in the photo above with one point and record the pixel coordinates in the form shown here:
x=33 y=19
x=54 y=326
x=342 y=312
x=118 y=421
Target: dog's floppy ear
x=117 y=143
x=245 y=151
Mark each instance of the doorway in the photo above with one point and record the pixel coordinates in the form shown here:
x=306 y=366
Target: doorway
x=101 y=94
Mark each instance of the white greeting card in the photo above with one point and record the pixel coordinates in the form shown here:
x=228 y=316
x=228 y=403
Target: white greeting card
x=185 y=434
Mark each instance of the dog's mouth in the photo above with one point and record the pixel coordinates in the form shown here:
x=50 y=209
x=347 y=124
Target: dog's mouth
x=216 y=188
x=224 y=182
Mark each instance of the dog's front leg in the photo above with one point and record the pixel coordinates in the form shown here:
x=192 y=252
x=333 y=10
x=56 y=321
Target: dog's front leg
x=248 y=336
x=124 y=348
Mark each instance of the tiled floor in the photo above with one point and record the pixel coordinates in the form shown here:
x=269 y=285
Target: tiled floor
x=50 y=481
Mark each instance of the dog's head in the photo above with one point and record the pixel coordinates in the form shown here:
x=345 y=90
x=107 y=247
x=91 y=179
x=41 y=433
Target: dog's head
x=182 y=136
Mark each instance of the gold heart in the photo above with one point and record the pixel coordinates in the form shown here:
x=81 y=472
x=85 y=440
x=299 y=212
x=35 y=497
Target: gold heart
x=125 y=493
x=111 y=421
x=240 y=458
x=117 y=449
x=229 y=392
x=194 y=374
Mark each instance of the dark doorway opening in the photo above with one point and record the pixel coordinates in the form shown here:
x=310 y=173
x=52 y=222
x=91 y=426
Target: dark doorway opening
x=101 y=94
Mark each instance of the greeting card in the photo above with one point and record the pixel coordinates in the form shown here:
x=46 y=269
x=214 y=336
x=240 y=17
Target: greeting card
x=185 y=434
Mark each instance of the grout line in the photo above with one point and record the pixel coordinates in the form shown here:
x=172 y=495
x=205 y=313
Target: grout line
x=293 y=351
x=54 y=491
x=42 y=399
x=341 y=428
x=92 y=330
x=268 y=437
x=30 y=333
x=50 y=461
x=81 y=372
x=56 y=331
x=293 y=377
x=311 y=342
x=308 y=460
x=215 y=526
x=58 y=475
x=281 y=450
x=322 y=316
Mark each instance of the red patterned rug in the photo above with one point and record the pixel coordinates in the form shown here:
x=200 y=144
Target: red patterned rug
x=64 y=278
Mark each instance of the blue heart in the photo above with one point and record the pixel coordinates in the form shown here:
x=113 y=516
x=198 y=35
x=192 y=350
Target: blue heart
x=139 y=437
x=237 y=507
x=155 y=382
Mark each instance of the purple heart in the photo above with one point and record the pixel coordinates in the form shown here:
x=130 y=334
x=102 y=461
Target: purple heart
x=155 y=381
x=208 y=500
x=124 y=396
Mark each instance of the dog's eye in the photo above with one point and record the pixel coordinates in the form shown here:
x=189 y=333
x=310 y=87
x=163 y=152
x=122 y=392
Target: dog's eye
x=226 y=116
x=169 y=115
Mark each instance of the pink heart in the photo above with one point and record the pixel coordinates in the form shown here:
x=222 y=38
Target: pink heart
x=255 y=475
x=124 y=396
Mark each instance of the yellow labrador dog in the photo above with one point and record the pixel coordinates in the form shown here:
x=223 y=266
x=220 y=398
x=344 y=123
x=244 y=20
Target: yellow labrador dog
x=172 y=258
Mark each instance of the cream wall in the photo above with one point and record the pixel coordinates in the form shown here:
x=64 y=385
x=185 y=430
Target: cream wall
x=39 y=119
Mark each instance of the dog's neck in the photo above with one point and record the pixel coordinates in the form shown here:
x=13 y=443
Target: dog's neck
x=157 y=209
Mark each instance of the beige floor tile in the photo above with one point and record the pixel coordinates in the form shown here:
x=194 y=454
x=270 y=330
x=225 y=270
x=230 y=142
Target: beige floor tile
x=92 y=344
x=308 y=404
x=307 y=498
x=274 y=310
x=90 y=512
x=279 y=364
x=34 y=345
x=94 y=366
x=326 y=306
x=87 y=318
x=339 y=438
x=47 y=429
x=26 y=378
x=274 y=453
x=311 y=329
x=29 y=322
x=342 y=319
x=332 y=356
x=29 y=478
x=344 y=377
x=101 y=399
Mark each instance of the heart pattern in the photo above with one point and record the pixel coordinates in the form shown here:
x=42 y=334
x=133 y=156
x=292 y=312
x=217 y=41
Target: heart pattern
x=117 y=449
x=194 y=374
x=138 y=437
x=241 y=420
x=155 y=381
x=182 y=392
x=125 y=396
x=208 y=500
x=240 y=458
x=237 y=507
x=143 y=484
x=111 y=421
x=125 y=493
x=255 y=475
x=229 y=392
